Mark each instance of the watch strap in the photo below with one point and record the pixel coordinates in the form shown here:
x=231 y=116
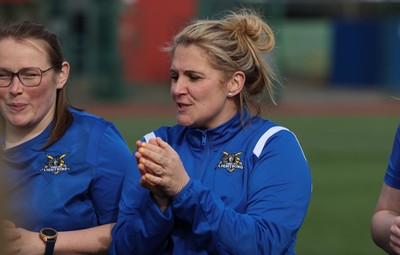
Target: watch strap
x=50 y=246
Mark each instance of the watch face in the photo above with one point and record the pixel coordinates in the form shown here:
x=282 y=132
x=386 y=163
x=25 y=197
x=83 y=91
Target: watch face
x=49 y=232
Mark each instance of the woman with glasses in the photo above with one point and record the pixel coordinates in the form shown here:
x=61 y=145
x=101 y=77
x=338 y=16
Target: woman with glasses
x=63 y=167
x=223 y=180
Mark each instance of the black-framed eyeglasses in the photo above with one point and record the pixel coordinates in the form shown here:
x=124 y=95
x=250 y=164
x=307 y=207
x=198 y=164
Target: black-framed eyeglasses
x=28 y=76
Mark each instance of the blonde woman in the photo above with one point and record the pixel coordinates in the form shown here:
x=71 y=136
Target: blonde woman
x=222 y=181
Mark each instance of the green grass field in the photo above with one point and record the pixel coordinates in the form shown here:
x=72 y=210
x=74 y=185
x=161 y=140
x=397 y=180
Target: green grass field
x=348 y=158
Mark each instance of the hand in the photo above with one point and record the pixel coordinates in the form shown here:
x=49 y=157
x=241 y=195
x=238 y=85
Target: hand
x=139 y=156
x=12 y=237
x=161 y=168
x=161 y=200
x=395 y=235
x=21 y=241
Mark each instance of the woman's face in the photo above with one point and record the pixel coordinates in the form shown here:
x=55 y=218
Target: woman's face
x=29 y=108
x=199 y=91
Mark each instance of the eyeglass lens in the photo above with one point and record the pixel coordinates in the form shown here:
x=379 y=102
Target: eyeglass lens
x=29 y=76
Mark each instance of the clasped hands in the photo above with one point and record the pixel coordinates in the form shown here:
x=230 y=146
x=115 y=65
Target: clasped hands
x=162 y=170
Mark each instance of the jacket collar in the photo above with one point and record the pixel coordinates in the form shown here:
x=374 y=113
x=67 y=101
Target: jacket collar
x=216 y=137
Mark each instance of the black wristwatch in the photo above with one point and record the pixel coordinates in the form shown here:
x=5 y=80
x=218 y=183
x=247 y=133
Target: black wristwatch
x=49 y=237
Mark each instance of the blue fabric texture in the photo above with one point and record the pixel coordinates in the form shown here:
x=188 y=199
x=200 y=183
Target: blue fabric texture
x=392 y=176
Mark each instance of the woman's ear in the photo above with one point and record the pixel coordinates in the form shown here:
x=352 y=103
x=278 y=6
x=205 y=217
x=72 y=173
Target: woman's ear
x=63 y=75
x=236 y=83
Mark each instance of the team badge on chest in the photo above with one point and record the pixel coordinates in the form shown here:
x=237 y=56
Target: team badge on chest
x=55 y=164
x=231 y=161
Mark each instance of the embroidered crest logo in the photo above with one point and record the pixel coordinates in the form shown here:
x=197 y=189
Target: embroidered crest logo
x=55 y=164
x=231 y=161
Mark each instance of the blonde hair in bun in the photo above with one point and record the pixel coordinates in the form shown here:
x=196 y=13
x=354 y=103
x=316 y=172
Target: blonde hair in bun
x=236 y=42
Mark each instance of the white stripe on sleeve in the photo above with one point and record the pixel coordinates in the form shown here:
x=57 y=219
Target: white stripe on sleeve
x=264 y=138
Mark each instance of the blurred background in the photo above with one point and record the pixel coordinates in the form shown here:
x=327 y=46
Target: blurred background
x=114 y=46
x=339 y=63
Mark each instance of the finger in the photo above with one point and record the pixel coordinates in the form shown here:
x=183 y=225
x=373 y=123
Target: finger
x=142 y=169
x=154 y=180
x=146 y=183
x=153 y=141
x=394 y=240
x=165 y=146
x=7 y=224
x=395 y=247
x=138 y=143
x=153 y=153
x=394 y=237
x=395 y=230
x=151 y=145
x=11 y=235
x=137 y=156
x=152 y=167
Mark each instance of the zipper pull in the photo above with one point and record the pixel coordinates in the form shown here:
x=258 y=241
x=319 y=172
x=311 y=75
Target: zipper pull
x=204 y=139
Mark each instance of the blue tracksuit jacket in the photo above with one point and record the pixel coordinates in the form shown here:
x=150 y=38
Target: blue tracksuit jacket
x=73 y=184
x=249 y=191
x=392 y=176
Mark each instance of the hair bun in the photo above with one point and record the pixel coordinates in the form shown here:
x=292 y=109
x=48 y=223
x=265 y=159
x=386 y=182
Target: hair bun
x=250 y=27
